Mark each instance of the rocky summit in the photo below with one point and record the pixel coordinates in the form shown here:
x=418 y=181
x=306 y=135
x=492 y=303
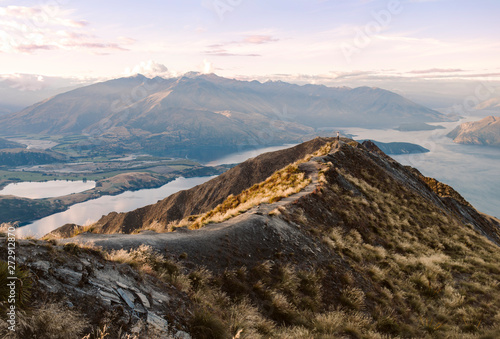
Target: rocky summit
x=328 y=239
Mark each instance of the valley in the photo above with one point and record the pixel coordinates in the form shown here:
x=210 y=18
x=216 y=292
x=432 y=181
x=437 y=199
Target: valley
x=158 y=115
x=482 y=191
x=337 y=216
x=93 y=133
x=113 y=175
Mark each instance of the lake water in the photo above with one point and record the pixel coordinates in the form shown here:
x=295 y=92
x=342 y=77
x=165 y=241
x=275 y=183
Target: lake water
x=91 y=211
x=47 y=189
x=472 y=170
x=238 y=157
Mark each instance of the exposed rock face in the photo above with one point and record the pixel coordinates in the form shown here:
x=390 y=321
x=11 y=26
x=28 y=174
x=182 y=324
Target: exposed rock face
x=106 y=292
x=482 y=132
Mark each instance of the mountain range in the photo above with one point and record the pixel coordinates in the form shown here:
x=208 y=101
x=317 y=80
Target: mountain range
x=492 y=104
x=206 y=110
x=483 y=132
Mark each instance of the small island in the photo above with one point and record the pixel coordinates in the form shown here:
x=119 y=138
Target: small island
x=397 y=148
x=417 y=126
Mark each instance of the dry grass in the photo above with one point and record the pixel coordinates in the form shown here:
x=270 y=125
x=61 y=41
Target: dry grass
x=430 y=275
x=52 y=320
x=283 y=183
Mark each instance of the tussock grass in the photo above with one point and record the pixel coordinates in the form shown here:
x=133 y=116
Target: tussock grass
x=23 y=287
x=281 y=184
x=52 y=320
x=425 y=274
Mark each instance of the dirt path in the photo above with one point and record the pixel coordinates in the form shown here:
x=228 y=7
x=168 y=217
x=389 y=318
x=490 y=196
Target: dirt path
x=237 y=233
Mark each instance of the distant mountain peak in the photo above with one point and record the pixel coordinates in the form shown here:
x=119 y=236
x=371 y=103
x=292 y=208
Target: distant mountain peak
x=191 y=75
x=138 y=76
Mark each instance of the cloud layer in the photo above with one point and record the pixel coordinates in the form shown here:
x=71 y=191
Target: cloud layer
x=149 y=68
x=28 y=30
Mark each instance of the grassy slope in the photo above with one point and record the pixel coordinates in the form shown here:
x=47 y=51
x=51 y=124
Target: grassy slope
x=280 y=185
x=414 y=269
x=408 y=267
x=395 y=263
x=398 y=264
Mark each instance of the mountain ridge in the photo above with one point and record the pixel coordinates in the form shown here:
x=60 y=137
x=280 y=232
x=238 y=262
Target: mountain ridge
x=142 y=113
x=166 y=214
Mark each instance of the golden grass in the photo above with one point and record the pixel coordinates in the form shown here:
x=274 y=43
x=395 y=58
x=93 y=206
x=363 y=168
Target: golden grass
x=281 y=184
x=431 y=275
x=53 y=320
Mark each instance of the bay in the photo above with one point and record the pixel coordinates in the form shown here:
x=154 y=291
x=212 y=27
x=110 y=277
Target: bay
x=91 y=211
x=46 y=189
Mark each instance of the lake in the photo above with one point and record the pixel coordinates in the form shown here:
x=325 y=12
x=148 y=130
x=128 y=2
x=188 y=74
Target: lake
x=46 y=189
x=238 y=157
x=91 y=211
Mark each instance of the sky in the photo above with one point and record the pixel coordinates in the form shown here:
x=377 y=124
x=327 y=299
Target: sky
x=386 y=43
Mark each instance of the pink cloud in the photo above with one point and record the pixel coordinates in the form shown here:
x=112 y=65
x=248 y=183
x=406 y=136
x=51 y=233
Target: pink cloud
x=94 y=45
x=30 y=48
x=259 y=39
x=222 y=49
x=437 y=70
x=20 y=11
x=31 y=29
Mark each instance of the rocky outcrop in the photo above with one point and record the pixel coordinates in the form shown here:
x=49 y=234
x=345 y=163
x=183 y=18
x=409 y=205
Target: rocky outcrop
x=106 y=292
